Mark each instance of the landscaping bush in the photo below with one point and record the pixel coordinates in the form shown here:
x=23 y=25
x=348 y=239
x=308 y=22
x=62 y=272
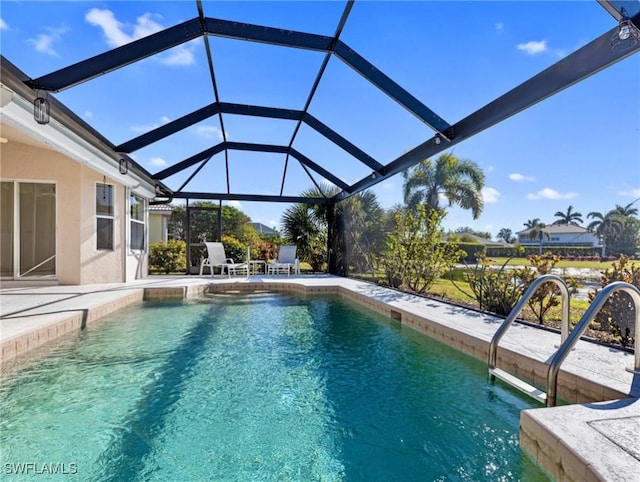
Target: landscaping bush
x=168 y=257
x=472 y=252
x=503 y=251
x=496 y=291
x=617 y=315
x=415 y=254
x=234 y=248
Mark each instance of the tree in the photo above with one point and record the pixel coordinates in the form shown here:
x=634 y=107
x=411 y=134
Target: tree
x=460 y=181
x=302 y=227
x=628 y=239
x=416 y=254
x=467 y=230
x=506 y=235
x=537 y=231
x=568 y=217
x=306 y=226
x=625 y=211
x=605 y=226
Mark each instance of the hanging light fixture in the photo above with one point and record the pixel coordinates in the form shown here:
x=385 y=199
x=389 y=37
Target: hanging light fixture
x=123 y=165
x=41 y=110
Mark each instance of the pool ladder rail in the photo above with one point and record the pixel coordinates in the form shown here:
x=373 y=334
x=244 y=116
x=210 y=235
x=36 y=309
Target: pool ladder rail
x=567 y=340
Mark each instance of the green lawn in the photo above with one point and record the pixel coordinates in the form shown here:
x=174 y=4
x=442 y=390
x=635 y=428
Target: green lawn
x=561 y=264
x=445 y=289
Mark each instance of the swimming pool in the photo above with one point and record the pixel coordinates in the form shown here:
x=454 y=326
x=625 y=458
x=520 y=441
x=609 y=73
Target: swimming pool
x=260 y=387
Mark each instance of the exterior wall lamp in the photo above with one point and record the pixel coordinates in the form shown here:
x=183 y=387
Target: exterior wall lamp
x=123 y=165
x=41 y=110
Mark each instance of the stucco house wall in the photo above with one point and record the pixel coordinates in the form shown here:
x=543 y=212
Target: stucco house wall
x=22 y=162
x=78 y=261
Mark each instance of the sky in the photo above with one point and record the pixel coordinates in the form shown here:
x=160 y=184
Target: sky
x=580 y=147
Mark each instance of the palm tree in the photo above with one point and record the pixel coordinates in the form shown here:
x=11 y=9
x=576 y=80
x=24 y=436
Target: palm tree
x=460 y=181
x=537 y=231
x=603 y=226
x=625 y=211
x=568 y=217
x=362 y=218
x=506 y=235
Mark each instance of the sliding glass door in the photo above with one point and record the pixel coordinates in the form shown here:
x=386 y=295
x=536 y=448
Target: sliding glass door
x=28 y=223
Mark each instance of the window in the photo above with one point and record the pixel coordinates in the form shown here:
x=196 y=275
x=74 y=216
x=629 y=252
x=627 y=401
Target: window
x=104 y=216
x=136 y=211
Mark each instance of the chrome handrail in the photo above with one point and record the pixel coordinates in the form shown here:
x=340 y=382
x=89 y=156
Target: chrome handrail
x=533 y=287
x=589 y=315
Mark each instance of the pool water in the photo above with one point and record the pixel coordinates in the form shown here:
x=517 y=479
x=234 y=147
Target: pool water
x=259 y=387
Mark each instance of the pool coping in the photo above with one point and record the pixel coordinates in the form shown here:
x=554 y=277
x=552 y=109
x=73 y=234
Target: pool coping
x=566 y=441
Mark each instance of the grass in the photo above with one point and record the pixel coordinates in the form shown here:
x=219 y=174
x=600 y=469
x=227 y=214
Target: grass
x=564 y=263
x=445 y=289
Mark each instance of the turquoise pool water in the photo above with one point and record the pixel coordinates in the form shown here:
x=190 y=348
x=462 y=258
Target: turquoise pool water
x=258 y=387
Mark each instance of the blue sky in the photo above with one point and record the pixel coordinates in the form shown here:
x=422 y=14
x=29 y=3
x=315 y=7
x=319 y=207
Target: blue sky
x=580 y=147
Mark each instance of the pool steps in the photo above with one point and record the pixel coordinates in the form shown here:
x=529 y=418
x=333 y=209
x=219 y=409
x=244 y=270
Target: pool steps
x=549 y=398
x=519 y=384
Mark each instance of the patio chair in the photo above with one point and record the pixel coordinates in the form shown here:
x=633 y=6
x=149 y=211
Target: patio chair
x=217 y=258
x=286 y=262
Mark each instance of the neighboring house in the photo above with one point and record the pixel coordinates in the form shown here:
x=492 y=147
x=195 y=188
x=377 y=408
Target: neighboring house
x=560 y=235
x=485 y=241
x=67 y=212
x=159 y=215
x=263 y=229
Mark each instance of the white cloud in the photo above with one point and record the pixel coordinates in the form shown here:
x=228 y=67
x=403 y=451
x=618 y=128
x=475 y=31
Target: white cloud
x=147 y=128
x=235 y=204
x=209 y=132
x=516 y=176
x=110 y=26
x=88 y=114
x=490 y=195
x=44 y=41
x=157 y=162
x=499 y=26
x=143 y=128
x=388 y=185
x=490 y=168
x=3 y=25
x=631 y=193
x=548 y=193
x=180 y=55
x=532 y=47
x=115 y=33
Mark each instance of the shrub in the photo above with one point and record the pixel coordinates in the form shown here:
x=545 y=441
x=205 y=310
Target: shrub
x=234 y=248
x=617 y=315
x=168 y=257
x=496 y=291
x=415 y=255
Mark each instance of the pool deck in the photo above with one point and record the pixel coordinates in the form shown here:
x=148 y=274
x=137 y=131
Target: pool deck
x=595 y=438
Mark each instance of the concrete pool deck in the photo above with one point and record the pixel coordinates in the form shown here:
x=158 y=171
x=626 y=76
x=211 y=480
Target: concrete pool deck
x=595 y=438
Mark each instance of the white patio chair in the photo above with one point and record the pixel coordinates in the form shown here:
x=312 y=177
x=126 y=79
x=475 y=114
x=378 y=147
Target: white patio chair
x=286 y=261
x=217 y=258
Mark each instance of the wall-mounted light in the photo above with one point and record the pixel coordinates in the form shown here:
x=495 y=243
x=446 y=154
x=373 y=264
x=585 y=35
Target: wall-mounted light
x=373 y=175
x=437 y=139
x=123 y=166
x=159 y=190
x=41 y=110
